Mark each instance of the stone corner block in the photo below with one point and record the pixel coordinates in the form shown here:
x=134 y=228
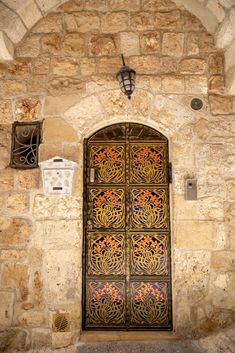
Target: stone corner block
x=6 y=48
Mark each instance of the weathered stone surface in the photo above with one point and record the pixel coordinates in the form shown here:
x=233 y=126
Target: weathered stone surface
x=15 y=276
x=74 y=44
x=43 y=207
x=68 y=207
x=223 y=260
x=231 y=189
x=19 y=68
x=216 y=9
x=172 y=84
x=142 y=103
x=142 y=21
x=13 y=255
x=51 y=23
x=82 y=22
x=28 y=109
x=57 y=130
x=6 y=309
x=31 y=318
x=6 y=180
x=95 y=5
x=194 y=235
x=108 y=65
x=38 y=84
x=49 y=150
x=185 y=210
x=220 y=104
x=61 y=339
x=38 y=287
x=60 y=234
x=88 y=66
x=18 y=203
x=224 y=291
x=158 y=5
x=6 y=116
x=64 y=85
x=216 y=64
x=12 y=88
x=40 y=65
x=56 y=106
x=114 y=22
x=102 y=45
x=64 y=66
x=14 y=232
x=192 y=66
x=129 y=43
x=150 y=42
x=168 y=20
x=114 y=103
x=123 y=5
x=30 y=48
x=217 y=84
x=71 y=5
x=191 y=22
x=26 y=180
x=192 y=43
x=149 y=82
x=41 y=338
x=147 y=64
x=173 y=44
x=196 y=84
x=168 y=65
x=51 y=43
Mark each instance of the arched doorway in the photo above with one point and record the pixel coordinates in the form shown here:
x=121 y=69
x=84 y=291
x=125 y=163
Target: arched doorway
x=126 y=262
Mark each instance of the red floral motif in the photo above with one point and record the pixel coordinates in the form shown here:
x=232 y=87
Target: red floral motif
x=107 y=290
x=145 y=152
x=148 y=290
x=108 y=152
x=147 y=243
x=147 y=197
x=108 y=197
x=108 y=242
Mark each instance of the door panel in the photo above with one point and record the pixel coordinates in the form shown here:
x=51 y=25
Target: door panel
x=127 y=273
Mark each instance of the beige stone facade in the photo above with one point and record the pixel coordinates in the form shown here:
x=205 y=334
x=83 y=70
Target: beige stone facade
x=63 y=74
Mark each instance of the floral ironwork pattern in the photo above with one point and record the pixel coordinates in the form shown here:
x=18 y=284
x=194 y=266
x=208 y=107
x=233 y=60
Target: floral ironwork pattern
x=110 y=163
x=149 y=208
x=149 y=254
x=106 y=303
x=106 y=254
x=107 y=208
x=149 y=303
x=148 y=164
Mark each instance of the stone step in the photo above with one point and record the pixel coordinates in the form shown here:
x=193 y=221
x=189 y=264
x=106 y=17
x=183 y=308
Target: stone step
x=104 y=336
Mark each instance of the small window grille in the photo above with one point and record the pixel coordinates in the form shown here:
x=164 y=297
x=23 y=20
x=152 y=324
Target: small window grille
x=25 y=143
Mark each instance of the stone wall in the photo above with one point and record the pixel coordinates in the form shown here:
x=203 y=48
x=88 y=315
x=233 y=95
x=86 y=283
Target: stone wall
x=66 y=66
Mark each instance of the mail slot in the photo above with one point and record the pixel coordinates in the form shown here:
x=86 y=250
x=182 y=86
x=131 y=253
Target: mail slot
x=191 y=189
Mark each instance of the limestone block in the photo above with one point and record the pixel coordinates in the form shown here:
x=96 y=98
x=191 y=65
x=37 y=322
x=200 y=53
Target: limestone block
x=193 y=23
x=41 y=338
x=43 y=207
x=7 y=17
x=51 y=23
x=223 y=260
x=95 y=5
x=230 y=81
x=114 y=103
x=68 y=207
x=173 y=44
x=211 y=207
x=29 y=48
x=206 y=43
x=158 y=5
x=229 y=56
x=28 y=109
x=217 y=84
x=102 y=45
x=38 y=287
x=149 y=82
x=62 y=276
x=26 y=179
x=18 y=203
x=74 y=44
x=46 y=5
x=6 y=308
x=201 y=129
x=150 y=42
x=129 y=43
x=14 y=231
x=64 y=85
x=64 y=66
x=88 y=66
x=142 y=103
x=108 y=65
x=227 y=3
x=142 y=21
x=38 y=84
x=82 y=22
x=226 y=32
x=6 y=180
x=19 y=68
x=220 y=104
x=172 y=84
x=38 y=234
x=196 y=84
x=145 y=64
x=101 y=83
x=35 y=257
x=194 y=235
x=168 y=65
x=185 y=210
x=72 y=151
x=224 y=291
x=192 y=66
x=122 y=5
x=32 y=318
x=49 y=150
x=230 y=224
x=62 y=233
x=192 y=43
x=6 y=48
x=216 y=64
x=40 y=65
x=231 y=189
x=13 y=255
x=12 y=88
x=220 y=241
x=113 y=22
x=169 y=20
x=51 y=43
x=61 y=339
x=216 y=9
x=15 y=276
x=56 y=106
x=58 y=130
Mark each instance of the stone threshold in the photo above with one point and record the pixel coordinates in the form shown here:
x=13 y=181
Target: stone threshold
x=107 y=336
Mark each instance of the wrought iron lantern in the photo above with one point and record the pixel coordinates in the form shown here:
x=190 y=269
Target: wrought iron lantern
x=126 y=78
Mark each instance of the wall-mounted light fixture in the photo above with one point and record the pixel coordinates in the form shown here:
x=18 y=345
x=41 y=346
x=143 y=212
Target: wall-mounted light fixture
x=126 y=78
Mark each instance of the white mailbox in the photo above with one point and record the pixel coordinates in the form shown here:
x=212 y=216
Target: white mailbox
x=58 y=175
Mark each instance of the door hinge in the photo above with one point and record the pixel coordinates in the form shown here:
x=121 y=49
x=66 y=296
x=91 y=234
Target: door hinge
x=170 y=174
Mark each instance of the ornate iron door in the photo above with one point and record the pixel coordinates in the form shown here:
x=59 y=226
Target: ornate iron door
x=127 y=279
